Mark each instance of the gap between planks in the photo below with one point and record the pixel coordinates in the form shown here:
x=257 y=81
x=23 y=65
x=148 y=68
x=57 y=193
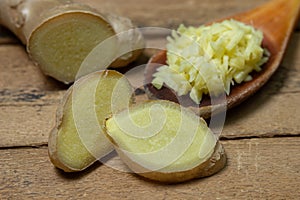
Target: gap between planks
x=256 y=169
x=28 y=94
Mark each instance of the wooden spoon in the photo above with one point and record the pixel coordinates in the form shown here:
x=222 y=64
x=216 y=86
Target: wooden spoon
x=276 y=19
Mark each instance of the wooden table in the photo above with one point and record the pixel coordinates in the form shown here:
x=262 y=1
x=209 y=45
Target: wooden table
x=261 y=136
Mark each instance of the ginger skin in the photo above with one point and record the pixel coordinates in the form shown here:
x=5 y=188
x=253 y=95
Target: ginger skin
x=59 y=34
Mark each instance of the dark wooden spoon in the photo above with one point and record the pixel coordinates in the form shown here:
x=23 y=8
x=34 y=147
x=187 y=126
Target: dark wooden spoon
x=276 y=19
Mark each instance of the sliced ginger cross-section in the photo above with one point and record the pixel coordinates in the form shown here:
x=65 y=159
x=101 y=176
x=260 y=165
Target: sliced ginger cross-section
x=163 y=141
x=77 y=140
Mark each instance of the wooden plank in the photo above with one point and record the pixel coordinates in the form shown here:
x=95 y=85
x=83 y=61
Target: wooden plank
x=274 y=109
x=26 y=92
x=18 y=71
x=274 y=119
x=264 y=168
x=264 y=116
x=256 y=169
x=32 y=97
x=22 y=85
x=171 y=13
x=26 y=125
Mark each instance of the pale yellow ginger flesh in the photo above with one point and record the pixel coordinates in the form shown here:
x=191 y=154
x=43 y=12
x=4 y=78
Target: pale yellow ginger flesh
x=61 y=45
x=164 y=138
x=197 y=57
x=77 y=140
x=69 y=40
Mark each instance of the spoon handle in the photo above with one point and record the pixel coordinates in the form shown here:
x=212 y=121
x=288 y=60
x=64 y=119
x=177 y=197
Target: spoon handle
x=276 y=19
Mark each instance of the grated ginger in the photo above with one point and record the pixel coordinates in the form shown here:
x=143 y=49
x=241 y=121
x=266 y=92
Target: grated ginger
x=199 y=59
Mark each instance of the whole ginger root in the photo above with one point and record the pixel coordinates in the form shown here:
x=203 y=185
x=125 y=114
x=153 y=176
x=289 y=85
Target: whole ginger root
x=59 y=34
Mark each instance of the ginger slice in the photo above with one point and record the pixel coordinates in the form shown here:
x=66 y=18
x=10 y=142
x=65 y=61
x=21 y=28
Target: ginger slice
x=165 y=142
x=61 y=44
x=77 y=140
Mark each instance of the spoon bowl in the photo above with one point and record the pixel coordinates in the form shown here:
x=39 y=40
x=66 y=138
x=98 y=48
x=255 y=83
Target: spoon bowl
x=276 y=19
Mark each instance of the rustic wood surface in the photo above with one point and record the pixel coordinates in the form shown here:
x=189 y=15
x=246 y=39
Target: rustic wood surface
x=261 y=136
x=256 y=169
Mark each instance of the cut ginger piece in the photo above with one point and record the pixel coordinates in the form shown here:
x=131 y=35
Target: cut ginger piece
x=162 y=141
x=61 y=34
x=77 y=140
x=62 y=44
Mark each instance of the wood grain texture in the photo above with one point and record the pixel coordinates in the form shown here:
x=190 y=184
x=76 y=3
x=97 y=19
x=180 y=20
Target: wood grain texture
x=256 y=169
x=171 y=13
x=18 y=71
x=28 y=93
x=26 y=125
x=166 y=13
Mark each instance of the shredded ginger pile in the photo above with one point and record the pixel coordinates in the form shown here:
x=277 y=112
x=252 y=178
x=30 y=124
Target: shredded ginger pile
x=199 y=57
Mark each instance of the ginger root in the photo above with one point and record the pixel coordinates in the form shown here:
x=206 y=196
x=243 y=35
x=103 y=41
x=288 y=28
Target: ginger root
x=59 y=35
x=165 y=142
x=77 y=140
